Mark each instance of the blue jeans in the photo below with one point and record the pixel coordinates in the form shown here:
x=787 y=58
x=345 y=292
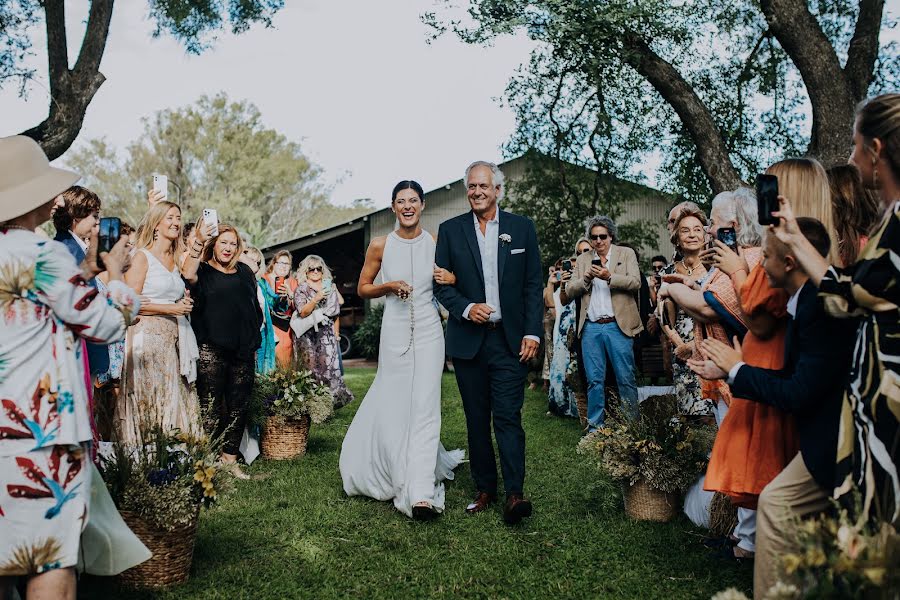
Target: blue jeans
x=599 y=344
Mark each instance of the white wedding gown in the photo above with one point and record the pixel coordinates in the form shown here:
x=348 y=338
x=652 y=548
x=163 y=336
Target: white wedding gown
x=392 y=450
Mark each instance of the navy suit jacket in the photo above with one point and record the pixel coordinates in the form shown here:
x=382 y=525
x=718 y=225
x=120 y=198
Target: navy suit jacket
x=818 y=350
x=98 y=355
x=519 y=274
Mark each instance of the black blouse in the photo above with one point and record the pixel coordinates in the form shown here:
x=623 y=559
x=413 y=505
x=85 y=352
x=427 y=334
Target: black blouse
x=226 y=310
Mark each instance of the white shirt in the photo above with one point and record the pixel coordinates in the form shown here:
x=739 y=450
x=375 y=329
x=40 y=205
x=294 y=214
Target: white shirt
x=488 y=243
x=601 y=297
x=792 y=310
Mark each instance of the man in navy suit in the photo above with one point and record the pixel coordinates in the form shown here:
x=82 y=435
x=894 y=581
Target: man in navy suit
x=810 y=386
x=75 y=221
x=495 y=327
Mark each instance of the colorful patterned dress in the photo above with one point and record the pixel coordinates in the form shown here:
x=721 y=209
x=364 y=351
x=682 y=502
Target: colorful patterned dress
x=317 y=350
x=45 y=426
x=868 y=438
x=563 y=364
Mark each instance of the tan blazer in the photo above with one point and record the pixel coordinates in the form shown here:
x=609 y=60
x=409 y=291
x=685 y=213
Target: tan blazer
x=624 y=284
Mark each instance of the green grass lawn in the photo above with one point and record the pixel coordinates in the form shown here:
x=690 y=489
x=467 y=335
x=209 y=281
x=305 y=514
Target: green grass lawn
x=296 y=535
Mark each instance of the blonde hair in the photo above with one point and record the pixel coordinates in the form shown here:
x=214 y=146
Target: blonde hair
x=312 y=260
x=688 y=211
x=147 y=227
x=210 y=248
x=804 y=182
x=256 y=254
x=879 y=117
x=271 y=267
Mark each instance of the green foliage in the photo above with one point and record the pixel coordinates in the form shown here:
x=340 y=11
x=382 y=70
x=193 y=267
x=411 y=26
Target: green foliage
x=559 y=196
x=295 y=534
x=290 y=393
x=194 y=23
x=166 y=479
x=367 y=336
x=221 y=155
x=580 y=98
x=661 y=447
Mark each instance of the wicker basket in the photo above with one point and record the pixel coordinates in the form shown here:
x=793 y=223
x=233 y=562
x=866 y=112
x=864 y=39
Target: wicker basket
x=285 y=438
x=644 y=503
x=722 y=515
x=173 y=552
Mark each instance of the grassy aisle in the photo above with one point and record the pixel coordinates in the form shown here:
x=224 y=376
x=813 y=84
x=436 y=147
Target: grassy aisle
x=295 y=534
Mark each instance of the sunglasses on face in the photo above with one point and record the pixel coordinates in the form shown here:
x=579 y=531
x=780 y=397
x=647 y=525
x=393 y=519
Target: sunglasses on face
x=599 y=236
x=314 y=269
x=580 y=252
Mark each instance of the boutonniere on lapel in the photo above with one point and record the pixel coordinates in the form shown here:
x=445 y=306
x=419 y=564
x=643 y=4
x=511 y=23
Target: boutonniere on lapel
x=505 y=238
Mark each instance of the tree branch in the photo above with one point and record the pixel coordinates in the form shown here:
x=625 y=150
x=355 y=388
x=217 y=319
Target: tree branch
x=863 y=51
x=711 y=149
x=798 y=32
x=57 y=43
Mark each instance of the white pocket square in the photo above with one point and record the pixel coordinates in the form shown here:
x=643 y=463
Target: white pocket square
x=517 y=251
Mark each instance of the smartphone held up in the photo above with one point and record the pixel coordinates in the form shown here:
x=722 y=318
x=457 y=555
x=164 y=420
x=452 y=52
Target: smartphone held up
x=110 y=231
x=161 y=185
x=767 y=198
x=211 y=217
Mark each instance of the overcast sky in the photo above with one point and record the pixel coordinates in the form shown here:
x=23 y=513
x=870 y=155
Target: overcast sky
x=352 y=80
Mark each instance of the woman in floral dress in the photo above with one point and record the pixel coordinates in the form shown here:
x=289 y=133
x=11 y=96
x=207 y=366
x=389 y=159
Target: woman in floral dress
x=45 y=426
x=689 y=239
x=317 y=348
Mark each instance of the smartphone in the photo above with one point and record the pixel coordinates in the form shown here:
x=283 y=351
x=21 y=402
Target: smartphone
x=211 y=217
x=597 y=262
x=567 y=265
x=767 y=198
x=161 y=184
x=326 y=286
x=110 y=229
x=728 y=236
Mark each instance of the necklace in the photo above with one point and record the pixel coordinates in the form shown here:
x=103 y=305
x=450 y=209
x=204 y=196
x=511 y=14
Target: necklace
x=690 y=270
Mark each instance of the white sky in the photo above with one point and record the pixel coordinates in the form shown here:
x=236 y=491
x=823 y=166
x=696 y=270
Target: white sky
x=352 y=80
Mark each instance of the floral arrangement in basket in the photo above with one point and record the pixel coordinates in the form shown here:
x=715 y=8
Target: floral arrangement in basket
x=659 y=446
x=167 y=478
x=290 y=393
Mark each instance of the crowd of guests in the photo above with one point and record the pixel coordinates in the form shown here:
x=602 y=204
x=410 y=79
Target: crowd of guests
x=784 y=335
x=168 y=329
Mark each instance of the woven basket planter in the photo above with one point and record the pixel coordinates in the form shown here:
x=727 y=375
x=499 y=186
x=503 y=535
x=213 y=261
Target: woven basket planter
x=722 y=515
x=173 y=552
x=285 y=438
x=644 y=503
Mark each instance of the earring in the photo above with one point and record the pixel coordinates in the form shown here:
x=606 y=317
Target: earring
x=875 y=174
x=155 y=234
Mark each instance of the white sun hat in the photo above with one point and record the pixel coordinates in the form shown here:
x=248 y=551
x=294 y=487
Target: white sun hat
x=26 y=178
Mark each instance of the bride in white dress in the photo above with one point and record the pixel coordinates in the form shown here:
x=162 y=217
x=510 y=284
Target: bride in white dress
x=392 y=450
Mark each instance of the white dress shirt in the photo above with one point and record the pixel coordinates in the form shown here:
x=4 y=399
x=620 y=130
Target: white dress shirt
x=792 y=310
x=601 y=298
x=80 y=241
x=488 y=244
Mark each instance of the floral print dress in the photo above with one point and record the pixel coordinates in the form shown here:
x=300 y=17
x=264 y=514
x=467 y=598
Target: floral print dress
x=563 y=364
x=317 y=350
x=45 y=425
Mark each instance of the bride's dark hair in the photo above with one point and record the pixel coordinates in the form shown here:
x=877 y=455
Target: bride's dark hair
x=408 y=185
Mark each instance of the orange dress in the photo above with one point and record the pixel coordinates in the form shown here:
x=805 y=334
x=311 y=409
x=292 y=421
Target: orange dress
x=755 y=441
x=284 y=346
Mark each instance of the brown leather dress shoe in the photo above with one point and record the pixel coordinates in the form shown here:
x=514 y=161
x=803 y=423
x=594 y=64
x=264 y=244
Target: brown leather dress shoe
x=481 y=502
x=516 y=509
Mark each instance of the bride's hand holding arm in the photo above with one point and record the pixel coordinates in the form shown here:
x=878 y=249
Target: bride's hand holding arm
x=443 y=276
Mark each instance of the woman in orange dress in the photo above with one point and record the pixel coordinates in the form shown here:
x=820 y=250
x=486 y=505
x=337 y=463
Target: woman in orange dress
x=278 y=289
x=755 y=442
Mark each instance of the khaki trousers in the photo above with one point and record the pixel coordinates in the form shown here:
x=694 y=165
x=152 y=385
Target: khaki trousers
x=793 y=493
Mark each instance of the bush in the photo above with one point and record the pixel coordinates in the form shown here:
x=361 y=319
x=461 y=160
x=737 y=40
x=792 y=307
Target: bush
x=367 y=336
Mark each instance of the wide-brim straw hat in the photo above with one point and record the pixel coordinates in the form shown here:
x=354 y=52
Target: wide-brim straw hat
x=26 y=178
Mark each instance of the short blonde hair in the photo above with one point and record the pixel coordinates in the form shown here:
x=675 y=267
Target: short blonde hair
x=312 y=260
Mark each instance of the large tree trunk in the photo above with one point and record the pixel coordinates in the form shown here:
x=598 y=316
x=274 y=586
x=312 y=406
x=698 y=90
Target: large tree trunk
x=71 y=90
x=712 y=151
x=833 y=91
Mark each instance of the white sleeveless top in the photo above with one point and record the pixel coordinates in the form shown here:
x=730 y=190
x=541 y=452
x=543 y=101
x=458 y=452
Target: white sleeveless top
x=161 y=285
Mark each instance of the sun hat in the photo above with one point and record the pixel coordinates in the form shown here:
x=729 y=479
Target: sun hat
x=26 y=178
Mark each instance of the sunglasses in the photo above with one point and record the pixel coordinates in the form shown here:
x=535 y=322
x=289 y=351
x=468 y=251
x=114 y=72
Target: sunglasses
x=583 y=251
x=313 y=269
x=599 y=236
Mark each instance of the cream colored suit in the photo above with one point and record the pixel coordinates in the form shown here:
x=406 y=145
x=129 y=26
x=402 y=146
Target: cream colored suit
x=624 y=283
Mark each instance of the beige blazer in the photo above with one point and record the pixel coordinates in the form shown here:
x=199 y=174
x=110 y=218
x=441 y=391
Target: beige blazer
x=624 y=284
